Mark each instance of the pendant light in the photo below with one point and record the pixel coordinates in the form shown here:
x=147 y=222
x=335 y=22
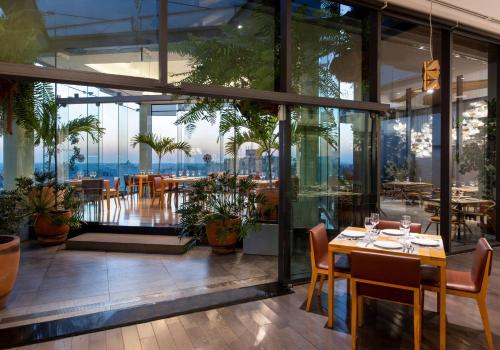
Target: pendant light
x=430 y=68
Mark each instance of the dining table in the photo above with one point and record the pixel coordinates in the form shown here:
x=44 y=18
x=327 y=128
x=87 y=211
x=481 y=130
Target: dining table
x=435 y=256
x=174 y=182
x=107 y=185
x=401 y=188
x=142 y=178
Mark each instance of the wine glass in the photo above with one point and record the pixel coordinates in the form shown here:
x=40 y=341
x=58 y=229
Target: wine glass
x=375 y=218
x=369 y=226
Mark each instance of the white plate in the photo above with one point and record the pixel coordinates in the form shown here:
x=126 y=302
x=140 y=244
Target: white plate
x=353 y=234
x=388 y=244
x=426 y=242
x=392 y=232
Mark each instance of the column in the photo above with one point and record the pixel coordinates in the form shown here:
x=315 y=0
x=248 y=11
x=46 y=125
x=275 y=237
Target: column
x=18 y=156
x=145 y=126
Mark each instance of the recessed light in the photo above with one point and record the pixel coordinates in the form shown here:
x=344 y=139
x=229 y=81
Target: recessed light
x=240 y=26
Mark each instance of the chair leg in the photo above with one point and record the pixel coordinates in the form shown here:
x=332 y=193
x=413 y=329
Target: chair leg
x=427 y=228
x=354 y=314
x=312 y=287
x=360 y=310
x=483 y=310
x=416 y=319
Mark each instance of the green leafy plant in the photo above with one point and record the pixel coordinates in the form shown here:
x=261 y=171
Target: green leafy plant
x=44 y=196
x=220 y=197
x=161 y=145
x=11 y=212
x=36 y=111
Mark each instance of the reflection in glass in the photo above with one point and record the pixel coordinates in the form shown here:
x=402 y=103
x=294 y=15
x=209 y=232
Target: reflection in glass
x=410 y=159
x=331 y=175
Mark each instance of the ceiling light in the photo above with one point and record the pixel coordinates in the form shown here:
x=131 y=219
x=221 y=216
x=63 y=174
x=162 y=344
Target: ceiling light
x=240 y=26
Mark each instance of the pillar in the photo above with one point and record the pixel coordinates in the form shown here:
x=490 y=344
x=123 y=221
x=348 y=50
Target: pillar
x=18 y=156
x=145 y=127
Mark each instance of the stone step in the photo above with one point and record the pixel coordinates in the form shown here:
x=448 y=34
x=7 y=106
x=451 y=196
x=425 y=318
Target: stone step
x=131 y=243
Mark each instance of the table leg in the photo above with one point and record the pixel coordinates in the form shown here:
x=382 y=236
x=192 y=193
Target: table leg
x=442 y=305
x=331 y=296
x=108 y=195
x=140 y=186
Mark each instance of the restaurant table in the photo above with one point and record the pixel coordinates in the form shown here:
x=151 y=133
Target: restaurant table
x=459 y=203
x=166 y=181
x=78 y=183
x=142 y=178
x=403 y=186
x=428 y=255
x=265 y=183
x=466 y=189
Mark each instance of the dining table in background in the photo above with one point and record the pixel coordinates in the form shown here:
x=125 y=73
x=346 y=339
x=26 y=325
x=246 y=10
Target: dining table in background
x=434 y=256
x=142 y=178
x=401 y=188
x=174 y=182
x=107 y=185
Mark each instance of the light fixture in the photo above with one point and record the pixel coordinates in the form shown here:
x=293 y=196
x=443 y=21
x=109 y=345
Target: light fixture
x=430 y=68
x=240 y=26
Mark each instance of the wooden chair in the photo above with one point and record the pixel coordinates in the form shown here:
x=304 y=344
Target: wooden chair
x=115 y=190
x=132 y=183
x=385 y=277
x=318 y=240
x=387 y=224
x=158 y=190
x=468 y=284
x=93 y=192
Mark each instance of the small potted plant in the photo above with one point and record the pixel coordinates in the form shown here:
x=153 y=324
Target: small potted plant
x=223 y=207
x=54 y=208
x=11 y=217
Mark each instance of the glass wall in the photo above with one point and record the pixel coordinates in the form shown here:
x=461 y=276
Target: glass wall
x=473 y=145
x=223 y=43
x=113 y=36
x=331 y=175
x=410 y=153
x=329 y=49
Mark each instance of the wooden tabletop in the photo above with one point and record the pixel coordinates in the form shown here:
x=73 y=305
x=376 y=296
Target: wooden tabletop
x=462 y=200
x=342 y=244
x=407 y=183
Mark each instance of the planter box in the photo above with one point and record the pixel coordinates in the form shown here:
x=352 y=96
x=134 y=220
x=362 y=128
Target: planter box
x=264 y=241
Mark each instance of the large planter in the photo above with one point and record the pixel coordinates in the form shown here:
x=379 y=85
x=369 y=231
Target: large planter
x=9 y=265
x=262 y=241
x=228 y=243
x=50 y=233
x=269 y=209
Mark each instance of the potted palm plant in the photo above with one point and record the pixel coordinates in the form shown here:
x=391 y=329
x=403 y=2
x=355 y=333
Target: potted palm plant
x=54 y=208
x=161 y=145
x=222 y=207
x=11 y=217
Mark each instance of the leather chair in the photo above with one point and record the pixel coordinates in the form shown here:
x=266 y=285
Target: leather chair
x=385 y=277
x=158 y=190
x=386 y=224
x=468 y=284
x=318 y=241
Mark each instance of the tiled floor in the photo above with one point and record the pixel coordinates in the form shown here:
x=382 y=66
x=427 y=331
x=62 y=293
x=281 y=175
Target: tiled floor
x=281 y=323
x=57 y=283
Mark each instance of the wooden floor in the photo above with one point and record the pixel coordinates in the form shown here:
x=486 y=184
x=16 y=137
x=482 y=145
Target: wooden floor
x=281 y=323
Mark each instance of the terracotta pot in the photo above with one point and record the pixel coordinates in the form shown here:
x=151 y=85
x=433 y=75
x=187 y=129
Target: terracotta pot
x=9 y=262
x=226 y=245
x=49 y=233
x=269 y=209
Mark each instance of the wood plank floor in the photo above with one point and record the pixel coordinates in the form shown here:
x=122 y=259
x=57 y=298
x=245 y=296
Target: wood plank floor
x=281 y=323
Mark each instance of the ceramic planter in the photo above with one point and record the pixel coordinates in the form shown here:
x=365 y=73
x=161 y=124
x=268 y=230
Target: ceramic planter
x=227 y=244
x=9 y=262
x=50 y=233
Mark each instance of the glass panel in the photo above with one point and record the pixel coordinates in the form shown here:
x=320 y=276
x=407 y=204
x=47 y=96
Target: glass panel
x=328 y=49
x=410 y=142
x=222 y=43
x=113 y=36
x=1 y=163
x=163 y=124
x=330 y=175
x=473 y=145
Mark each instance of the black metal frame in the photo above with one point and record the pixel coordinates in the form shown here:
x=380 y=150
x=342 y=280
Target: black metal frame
x=285 y=97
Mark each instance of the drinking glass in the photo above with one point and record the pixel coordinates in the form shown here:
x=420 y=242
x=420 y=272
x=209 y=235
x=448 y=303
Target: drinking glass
x=375 y=218
x=369 y=226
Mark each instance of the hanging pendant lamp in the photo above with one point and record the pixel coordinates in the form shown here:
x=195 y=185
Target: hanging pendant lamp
x=430 y=68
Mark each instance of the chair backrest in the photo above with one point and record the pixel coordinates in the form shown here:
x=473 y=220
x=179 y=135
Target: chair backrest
x=318 y=239
x=480 y=270
x=116 y=184
x=92 y=185
x=387 y=224
x=157 y=182
x=386 y=268
x=126 y=179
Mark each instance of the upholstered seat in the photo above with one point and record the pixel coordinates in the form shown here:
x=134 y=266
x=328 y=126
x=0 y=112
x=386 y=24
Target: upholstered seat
x=387 y=224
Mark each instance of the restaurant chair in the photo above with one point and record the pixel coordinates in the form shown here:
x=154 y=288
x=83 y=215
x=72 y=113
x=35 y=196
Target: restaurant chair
x=385 y=277
x=158 y=190
x=318 y=241
x=489 y=218
x=114 y=192
x=92 y=193
x=387 y=224
x=468 y=284
x=132 y=183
